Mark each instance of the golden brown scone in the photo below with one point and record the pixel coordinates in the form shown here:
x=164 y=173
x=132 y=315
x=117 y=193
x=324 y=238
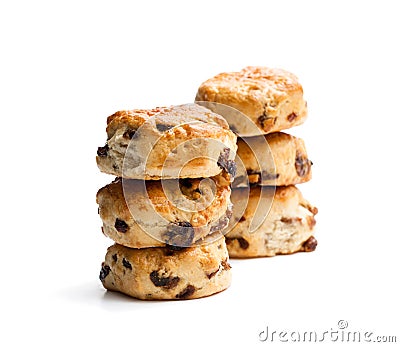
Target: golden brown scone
x=271 y=98
x=283 y=163
x=165 y=274
x=168 y=142
x=287 y=228
x=141 y=214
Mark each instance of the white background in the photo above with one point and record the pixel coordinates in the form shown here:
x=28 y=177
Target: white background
x=66 y=66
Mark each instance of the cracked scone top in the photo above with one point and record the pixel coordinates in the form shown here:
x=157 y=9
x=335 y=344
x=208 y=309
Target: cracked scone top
x=167 y=142
x=271 y=98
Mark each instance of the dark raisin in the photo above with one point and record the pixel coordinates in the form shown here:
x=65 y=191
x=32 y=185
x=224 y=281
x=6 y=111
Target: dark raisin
x=181 y=234
x=229 y=240
x=115 y=258
x=105 y=270
x=242 y=219
x=310 y=245
x=115 y=166
x=302 y=164
x=212 y=274
x=228 y=165
x=186 y=293
x=242 y=242
x=121 y=226
x=128 y=134
x=102 y=151
x=291 y=117
x=163 y=127
x=165 y=282
x=126 y=264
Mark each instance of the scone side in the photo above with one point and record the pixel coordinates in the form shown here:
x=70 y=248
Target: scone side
x=162 y=274
x=287 y=228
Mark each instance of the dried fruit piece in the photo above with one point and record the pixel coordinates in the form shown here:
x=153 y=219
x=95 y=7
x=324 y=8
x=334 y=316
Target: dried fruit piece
x=128 y=134
x=266 y=121
x=102 y=151
x=242 y=242
x=162 y=281
x=121 y=225
x=291 y=117
x=302 y=164
x=105 y=270
x=310 y=245
x=225 y=265
x=126 y=264
x=186 y=293
x=228 y=165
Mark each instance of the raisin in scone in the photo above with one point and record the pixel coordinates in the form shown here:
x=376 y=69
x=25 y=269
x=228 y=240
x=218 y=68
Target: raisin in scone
x=274 y=222
x=276 y=159
x=165 y=274
x=139 y=214
x=271 y=98
x=167 y=142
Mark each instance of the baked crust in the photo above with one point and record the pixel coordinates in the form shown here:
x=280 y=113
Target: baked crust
x=141 y=214
x=271 y=98
x=165 y=274
x=283 y=222
x=277 y=159
x=166 y=142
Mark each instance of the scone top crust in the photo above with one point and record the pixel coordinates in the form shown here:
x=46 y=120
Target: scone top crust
x=271 y=97
x=184 y=141
x=168 y=117
x=257 y=78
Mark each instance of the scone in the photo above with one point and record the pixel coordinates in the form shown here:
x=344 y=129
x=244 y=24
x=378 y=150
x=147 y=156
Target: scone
x=271 y=98
x=139 y=214
x=167 y=142
x=165 y=274
x=276 y=159
x=274 y=222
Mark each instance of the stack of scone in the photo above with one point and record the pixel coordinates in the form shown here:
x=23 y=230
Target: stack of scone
x=169 y=204
x=270 y=214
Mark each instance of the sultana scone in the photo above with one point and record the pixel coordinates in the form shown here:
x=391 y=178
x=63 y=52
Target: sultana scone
x=275 y=221
x=271 y=98
x=276 y=159
x=167 y=142
x=165 y=274
x=139 y=214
